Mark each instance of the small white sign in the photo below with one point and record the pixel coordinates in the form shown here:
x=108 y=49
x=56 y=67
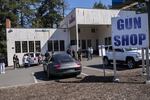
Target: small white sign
x=130 y=31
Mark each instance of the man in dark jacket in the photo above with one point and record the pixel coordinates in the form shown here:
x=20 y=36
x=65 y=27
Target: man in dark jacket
x=14 y=61
x=79 y=55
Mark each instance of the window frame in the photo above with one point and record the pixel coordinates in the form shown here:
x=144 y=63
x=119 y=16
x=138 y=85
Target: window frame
x=61 y=48
x=18 y=47
x=37 y=49
x=24 y=50
x=31 y=47
x=56 y=46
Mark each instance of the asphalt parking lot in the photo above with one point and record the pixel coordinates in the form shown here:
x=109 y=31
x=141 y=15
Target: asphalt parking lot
x=35 y=74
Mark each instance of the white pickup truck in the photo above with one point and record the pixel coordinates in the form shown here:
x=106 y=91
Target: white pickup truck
x=131 y=57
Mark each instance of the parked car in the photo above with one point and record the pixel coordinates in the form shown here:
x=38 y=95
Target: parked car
x=32 y=58
x=132 y=57
x=62 y=64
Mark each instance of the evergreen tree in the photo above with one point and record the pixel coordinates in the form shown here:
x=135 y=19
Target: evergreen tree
x=6 y=11
x=99 y=5
x=13 y=9
x=49 y=14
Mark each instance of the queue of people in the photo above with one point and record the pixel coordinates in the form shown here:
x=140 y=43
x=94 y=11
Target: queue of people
x=16 y=61
x=89 y=53
x=27 y=58
x=71 y=52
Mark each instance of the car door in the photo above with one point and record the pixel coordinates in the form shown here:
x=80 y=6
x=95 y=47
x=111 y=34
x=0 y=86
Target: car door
x=119 y=53
x=109 y=53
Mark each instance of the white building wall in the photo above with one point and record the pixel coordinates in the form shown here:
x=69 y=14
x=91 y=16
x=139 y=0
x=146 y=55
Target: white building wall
x=98 y=16
x=93 y=16
x=32 y=35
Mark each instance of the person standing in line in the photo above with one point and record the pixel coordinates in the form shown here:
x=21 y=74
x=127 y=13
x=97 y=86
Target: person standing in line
x=69 y=51
x=2 y=65
x=47 y=56
x=73 y=54
x=88 y=53
x=91 y=52
x=17 y=62
x=14 y=61
x=79 y=55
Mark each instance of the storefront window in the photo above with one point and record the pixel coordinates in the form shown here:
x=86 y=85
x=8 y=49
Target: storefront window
x=31 y=46
x=73 y=42
x=37 y=46
x=89 y=44
x=50 y=45
x=56 y=48
x=83 y=44
x=108 y=41
x=17 y=47
x=24 y=46
x=62 y=45
x=93 y=30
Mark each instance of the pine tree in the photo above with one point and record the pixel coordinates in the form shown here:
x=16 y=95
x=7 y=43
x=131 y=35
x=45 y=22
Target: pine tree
x=49 y=14
x=99 y=5
x=12 y=9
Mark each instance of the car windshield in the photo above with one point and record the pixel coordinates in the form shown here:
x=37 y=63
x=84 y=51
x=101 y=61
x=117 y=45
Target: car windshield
x=63 y=58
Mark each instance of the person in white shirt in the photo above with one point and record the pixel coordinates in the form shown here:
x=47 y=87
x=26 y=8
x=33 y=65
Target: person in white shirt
x=91 y=52
x=25 y=60
x=88 y=53
x=2 y=65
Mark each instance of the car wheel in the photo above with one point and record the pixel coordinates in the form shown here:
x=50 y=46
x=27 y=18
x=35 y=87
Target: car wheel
x=106 y=61
x=130 y=63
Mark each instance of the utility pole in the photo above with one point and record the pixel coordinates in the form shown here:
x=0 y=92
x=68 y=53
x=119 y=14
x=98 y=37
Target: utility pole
x=147 y=54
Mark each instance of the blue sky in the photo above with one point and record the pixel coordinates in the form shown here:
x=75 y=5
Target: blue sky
x=85 y=3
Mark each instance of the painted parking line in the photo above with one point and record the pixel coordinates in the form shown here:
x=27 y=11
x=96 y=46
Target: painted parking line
x=84 y=74
x=35 y=80
x=100 y=70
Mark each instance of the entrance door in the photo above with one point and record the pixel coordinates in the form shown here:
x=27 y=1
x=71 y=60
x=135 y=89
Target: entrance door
x=89 y=43
x=83 y=44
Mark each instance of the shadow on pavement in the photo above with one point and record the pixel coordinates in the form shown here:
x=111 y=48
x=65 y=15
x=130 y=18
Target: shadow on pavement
x=119 y=67
x=42 y=76
x=88 y=79
x=91 y=79
x=95 y=79
x=100 y=79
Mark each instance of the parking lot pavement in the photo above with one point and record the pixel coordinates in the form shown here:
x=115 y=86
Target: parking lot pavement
x=20 y=76
x=35 y=74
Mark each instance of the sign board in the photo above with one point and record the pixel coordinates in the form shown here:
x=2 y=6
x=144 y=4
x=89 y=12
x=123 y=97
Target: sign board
x=130 y=31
